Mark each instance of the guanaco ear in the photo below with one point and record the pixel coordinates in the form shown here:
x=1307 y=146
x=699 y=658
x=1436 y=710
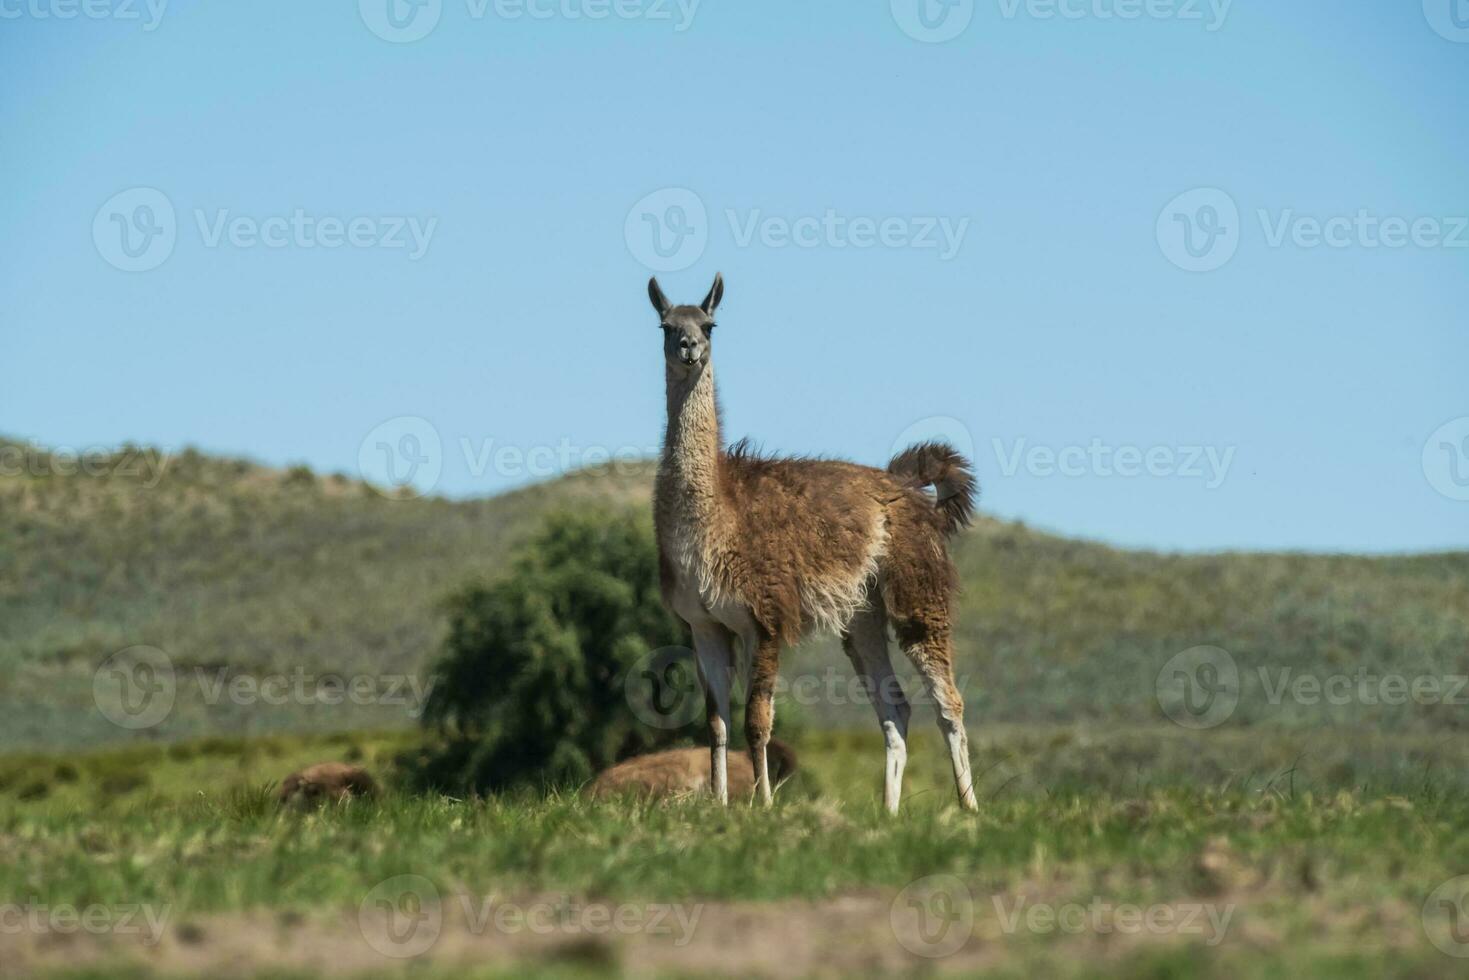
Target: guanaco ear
x=716 y=293
x=660 y=302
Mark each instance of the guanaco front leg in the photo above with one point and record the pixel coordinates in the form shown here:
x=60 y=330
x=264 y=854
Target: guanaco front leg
x=714 y=651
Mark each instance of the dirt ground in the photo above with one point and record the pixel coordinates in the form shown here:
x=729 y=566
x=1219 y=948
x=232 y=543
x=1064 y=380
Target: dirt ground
x=878 y=933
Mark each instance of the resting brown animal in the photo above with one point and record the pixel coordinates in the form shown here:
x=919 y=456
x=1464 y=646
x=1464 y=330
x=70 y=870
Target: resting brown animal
x=326 y=782
x=680 y=772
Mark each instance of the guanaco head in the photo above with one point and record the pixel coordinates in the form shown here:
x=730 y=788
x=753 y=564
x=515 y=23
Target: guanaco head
x=686 y=329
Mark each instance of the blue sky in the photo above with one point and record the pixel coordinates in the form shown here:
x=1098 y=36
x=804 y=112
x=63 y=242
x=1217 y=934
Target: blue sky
x=1020 y=237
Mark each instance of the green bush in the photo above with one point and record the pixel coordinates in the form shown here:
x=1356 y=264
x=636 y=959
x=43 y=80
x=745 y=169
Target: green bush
x=529 y=691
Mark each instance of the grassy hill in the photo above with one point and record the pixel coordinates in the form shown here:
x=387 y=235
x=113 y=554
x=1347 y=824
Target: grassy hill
x=235 y=569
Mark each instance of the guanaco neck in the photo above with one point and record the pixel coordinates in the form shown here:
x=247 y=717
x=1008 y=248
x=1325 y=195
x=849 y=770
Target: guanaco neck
x=688 y=474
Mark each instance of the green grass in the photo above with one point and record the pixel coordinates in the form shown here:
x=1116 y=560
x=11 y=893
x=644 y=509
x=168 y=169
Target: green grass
x=1325 y=869
x=236 y=852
